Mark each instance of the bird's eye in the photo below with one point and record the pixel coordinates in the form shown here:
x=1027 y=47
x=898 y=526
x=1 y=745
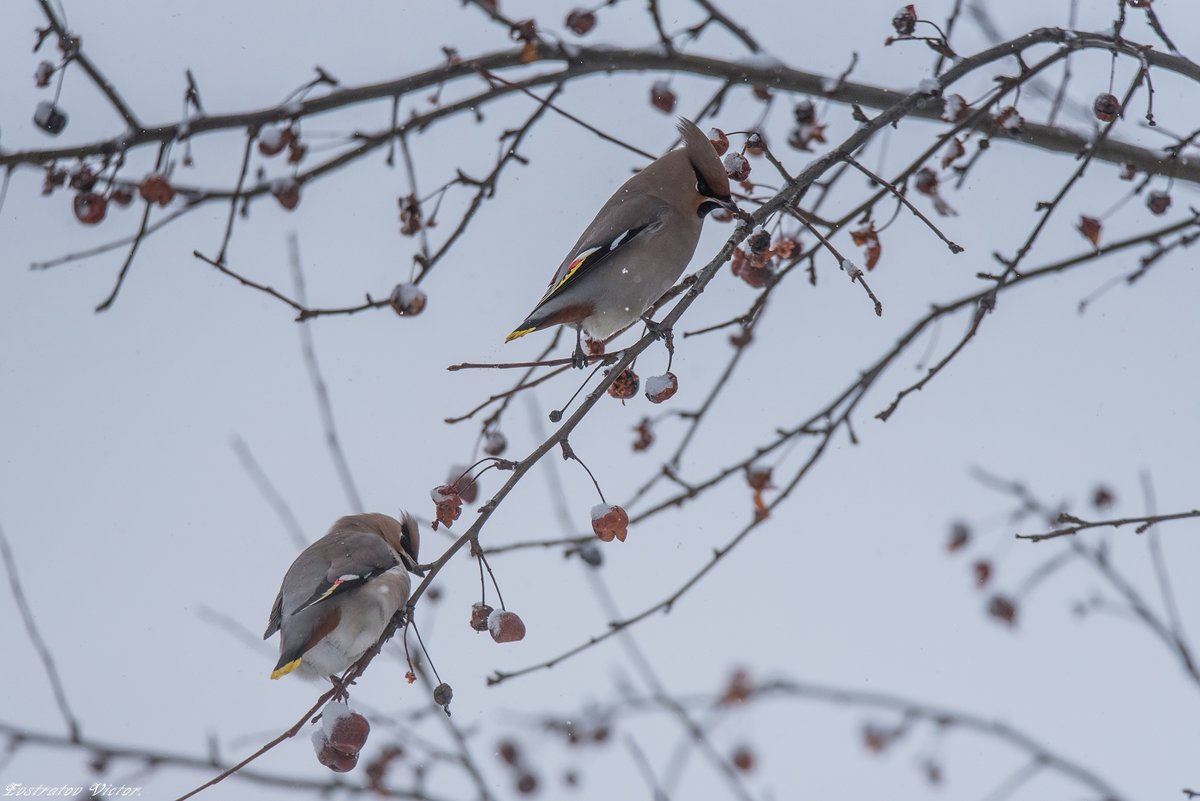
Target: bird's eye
x=702 y=187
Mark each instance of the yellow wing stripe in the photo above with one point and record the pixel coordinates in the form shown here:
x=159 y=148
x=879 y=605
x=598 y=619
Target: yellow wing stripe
x=571 y=268
x=519 y=334
x=286 y=669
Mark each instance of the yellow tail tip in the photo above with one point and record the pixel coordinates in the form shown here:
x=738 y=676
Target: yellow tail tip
x=519 y=333
x=286 y=669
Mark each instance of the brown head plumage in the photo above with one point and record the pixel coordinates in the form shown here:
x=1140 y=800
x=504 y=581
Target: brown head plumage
x=711 y=181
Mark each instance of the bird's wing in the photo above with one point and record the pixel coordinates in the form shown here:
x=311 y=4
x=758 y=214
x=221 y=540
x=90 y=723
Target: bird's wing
x=622 y=224
x=332 y=566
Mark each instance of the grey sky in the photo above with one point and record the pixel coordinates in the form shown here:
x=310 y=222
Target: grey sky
x=129 y=513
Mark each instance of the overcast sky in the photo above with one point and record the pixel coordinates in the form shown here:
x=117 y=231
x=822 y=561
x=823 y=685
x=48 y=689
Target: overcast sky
x=129 y=513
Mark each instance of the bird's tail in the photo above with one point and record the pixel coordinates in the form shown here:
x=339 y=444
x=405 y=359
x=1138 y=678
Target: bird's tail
x=520 y=332
x=282 y=669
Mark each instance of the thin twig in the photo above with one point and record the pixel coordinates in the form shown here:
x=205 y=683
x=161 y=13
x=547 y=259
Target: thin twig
x=35 y=635
x=273 y=497
x=321 y=389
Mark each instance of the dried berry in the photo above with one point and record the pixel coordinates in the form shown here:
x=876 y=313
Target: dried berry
x=505 y=626
x=954 y=151
x=759 y=477
x=468 y=488
x=1106 y=107
x=155 y=188
x=591 y=555
x=720 y=141
x=1090 y=228
x=479 y=615
x=905 y=21
x=43 y=73
x=448 y=505
x=1158 y=202
x=272 y=140
x=645 y=436
x=1003 y=609
x=580 y=21
x=494 y=443
x=443 y=694
x=527 y=784
x=122 y=196
x=1128 y=171
x=347 y=733
x=983 y=572
x=411 y=220
x=661 y=387
x=1103 y=497
x=805 y=112
x=83 y=178
x=867 y=237
x=296 y=151
x=625 y=385
x=335 y=760
x=955 y=108
x=53 y=179
x=609 y=521
x=802 y=136
x=739 y=688
x=960 y=535
x=877 y=738
x=662 y=98
x=743 y=759
x=1009 y=120
x=926 y=181
x=754 y=271
x=407 y=300
x=756 y=144
x=287 y=192
x=89 y=207
x=508 y=753
x=736 y=166
x=50 y=118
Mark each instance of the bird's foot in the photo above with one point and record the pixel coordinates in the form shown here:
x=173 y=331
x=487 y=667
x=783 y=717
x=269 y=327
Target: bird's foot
x=341 y=686
x=579 y=357
x=659 y=330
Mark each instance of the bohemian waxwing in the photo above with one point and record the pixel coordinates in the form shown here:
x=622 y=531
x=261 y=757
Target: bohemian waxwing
x=637 y=246
x=342 y=591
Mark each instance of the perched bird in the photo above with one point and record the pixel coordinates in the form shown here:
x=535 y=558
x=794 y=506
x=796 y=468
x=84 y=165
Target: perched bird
x=341 y=592
x=637 y=246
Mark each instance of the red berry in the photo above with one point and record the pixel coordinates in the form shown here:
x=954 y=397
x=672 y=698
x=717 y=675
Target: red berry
x=1158 y=202
x=662 y=98
x=609 y=522
x=1106 y=107
x=348 y=733
x=661 y=387
x=479 y=616
x=155 y=188
x=905 y=21
x=335 y=760
x=625 y=386
x=580 y=21
x=90 y=207
x=408 y=300
x=506 y=626
x=720 y=141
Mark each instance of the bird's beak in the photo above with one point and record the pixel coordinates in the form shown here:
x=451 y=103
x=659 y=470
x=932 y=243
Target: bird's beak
x=728 y=204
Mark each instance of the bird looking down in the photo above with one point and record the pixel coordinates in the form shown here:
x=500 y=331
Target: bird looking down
x=637 y=246
x=341 y=592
